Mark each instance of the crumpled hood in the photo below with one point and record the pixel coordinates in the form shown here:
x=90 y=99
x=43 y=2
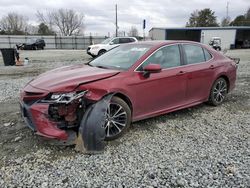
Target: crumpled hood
x=69 y=77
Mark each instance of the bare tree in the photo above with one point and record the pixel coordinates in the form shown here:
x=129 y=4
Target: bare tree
x=14 y=24
x=133 y=32
x=45 y=19
x=31 y=29
x=67 y=21
x=40 y=16
x=120 y=34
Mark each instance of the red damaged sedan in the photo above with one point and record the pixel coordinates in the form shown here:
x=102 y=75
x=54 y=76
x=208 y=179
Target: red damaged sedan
x=145 y=79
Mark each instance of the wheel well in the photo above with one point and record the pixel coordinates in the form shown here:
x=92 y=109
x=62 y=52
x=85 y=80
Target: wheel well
x=126 y=99
x=227 y=80
x=102 y=50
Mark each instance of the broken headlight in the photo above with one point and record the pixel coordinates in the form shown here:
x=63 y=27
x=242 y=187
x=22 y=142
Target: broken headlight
x=64 y=98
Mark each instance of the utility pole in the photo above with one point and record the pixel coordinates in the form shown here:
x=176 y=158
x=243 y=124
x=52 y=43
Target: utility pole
x=144 y=26
x=227 y=9
x=116 y=25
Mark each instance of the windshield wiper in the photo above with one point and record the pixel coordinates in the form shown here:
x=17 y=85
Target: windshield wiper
x=102 y=67
x=89 y=64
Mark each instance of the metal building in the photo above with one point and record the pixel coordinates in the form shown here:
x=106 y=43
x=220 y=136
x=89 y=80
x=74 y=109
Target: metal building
x=231 y=37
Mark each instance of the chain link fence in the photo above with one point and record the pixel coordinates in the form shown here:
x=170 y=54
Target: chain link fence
x=52 y=42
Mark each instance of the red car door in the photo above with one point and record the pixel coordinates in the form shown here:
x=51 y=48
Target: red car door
x=163 y=90
x=200 y=72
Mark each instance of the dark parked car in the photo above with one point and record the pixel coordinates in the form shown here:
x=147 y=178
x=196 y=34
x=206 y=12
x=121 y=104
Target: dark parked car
x=32 y=44
x=144 y=79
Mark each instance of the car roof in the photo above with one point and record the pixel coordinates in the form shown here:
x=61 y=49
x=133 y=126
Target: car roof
x=122 y=37
x=164 y=42
x=159 y=43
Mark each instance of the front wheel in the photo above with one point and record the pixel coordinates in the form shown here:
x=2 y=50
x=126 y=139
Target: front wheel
x=118 y=118
x=101 y=52
x=218 y=92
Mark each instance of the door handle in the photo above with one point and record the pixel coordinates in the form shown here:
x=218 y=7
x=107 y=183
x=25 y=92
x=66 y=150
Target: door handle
x=211 y=67
x=180 y=73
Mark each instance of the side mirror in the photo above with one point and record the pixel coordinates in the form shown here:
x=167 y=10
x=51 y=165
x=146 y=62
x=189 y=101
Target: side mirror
x=111 y=43
x=151 y=68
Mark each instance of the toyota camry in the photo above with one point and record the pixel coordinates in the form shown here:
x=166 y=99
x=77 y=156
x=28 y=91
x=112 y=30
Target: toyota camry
x=145 y=79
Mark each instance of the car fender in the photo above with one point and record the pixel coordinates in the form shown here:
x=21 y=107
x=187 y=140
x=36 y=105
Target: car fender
x=91 y=134
x=227 y=77
x=96 y=94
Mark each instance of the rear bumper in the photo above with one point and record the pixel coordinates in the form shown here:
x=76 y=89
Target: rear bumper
x=36 y=117
x=232 y=79
x=232 y=84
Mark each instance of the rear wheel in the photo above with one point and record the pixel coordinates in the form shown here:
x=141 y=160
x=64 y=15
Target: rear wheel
x=218 y=92
x=118 y=118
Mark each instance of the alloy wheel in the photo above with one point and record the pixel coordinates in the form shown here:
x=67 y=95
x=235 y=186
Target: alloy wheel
x=220 y=91
x=116 y=119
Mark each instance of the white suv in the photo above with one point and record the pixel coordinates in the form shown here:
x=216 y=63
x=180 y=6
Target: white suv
x=108 y=44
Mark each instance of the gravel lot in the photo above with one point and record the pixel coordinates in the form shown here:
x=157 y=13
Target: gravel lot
x=202 y=146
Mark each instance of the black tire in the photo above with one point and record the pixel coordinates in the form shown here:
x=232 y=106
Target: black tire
x=218 y=92
x=101 y=52
x=120 y=119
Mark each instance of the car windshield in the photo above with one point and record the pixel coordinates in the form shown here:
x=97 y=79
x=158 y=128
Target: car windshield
x=121 y=57
x=106 y=41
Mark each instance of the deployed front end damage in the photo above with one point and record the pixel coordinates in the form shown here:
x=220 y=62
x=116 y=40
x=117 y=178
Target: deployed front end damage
x=92 y=128
x=67 y=116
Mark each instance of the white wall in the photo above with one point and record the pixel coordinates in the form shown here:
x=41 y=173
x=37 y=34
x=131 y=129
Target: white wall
x=157 y=34
x=227 y=37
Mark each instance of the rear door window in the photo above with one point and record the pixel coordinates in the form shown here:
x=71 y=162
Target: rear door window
x=194 y=54
x=124 y=40
x=208 y=56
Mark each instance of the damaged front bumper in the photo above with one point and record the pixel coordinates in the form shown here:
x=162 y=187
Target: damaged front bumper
x=50 y=115
x=67 y=117
x=36 y=117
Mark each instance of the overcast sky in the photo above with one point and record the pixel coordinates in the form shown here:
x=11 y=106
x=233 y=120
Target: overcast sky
x=100 y=14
